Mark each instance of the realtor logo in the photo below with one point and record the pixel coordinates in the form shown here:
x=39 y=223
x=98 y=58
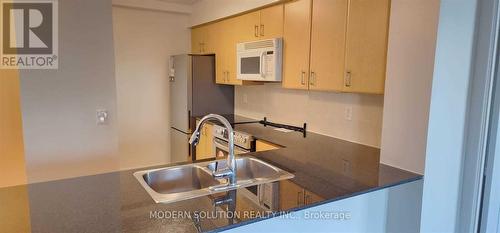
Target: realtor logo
x=29 y=34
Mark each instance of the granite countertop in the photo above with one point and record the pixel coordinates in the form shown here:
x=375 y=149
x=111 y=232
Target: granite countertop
x=330 y=168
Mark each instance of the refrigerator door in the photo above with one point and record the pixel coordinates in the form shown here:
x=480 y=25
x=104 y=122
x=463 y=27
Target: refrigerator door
x=180 y=92
x=209 y=97
x=179 y=146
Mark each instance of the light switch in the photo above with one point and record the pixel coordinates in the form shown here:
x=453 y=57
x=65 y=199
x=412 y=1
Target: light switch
x=102 y=116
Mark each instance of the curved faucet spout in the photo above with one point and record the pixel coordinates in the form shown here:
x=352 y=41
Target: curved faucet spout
x=230 y=171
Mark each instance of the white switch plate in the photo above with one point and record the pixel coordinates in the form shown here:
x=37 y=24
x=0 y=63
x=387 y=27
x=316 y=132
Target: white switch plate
x=348 y=113
x=102 y=116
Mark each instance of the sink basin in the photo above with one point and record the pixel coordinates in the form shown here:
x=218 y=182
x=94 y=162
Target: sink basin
x=179 y=179
x=176 y=183
x=249 y=169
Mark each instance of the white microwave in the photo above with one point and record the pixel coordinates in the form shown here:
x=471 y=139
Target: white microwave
x=260 y=60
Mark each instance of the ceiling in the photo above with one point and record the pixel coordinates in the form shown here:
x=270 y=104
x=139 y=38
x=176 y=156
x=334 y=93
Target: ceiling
x=185 y=2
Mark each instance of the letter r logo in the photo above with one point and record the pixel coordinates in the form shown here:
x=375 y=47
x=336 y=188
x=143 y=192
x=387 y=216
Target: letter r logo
x=27 y=28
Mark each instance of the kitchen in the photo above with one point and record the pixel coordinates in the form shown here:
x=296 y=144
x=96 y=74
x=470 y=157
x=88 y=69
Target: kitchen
x=319 y=94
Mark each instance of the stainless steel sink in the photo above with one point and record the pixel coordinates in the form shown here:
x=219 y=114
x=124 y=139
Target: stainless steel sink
x=171 y=184
x=249 y=169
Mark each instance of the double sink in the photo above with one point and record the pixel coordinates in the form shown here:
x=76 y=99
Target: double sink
x=172 y=184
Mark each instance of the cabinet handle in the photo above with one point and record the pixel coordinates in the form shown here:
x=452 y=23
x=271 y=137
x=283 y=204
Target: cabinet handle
x=200 y=47
x=303 y=78
x=256 y=33
x=262 y=30
x=298 y=197
x=307 y=199
x=347 y=79
x=312 y=82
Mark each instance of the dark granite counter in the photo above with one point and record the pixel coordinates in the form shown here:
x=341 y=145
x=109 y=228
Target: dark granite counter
x=329 y=169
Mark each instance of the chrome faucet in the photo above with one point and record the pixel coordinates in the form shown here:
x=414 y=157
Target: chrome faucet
x=230 y=170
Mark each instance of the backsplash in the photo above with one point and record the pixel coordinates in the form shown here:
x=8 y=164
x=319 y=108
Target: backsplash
x=324 y=112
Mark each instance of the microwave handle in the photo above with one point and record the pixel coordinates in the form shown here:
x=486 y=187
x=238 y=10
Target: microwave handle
x=262 y=62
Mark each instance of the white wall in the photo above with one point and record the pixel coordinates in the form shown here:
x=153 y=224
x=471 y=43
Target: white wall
x=410 y=64
x=447 y=118
x=208 y=10
x=387 y=210
x=324 y=112
x=144 y=42
x=61 y=136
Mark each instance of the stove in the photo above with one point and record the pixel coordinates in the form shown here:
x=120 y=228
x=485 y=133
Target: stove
x=241 y=139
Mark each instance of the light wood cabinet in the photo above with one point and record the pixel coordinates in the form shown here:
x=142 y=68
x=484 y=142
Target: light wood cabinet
x=297 y=39
x=246 y=26
x=271 y=22
x=329 y=24
x=293 y=195
x=336 y=45
x=366 y=50
x=259 y=25
x=225 y=52
x=203 y=39
x=264 y=146
x=220 y=38
x=204 y=149
x=197 y=40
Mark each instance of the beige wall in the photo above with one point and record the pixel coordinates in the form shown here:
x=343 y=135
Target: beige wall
x=59 y=106
x=12 y=163
x=144 y=41
x=324 y=112
x=207 y=10
x=410 y=64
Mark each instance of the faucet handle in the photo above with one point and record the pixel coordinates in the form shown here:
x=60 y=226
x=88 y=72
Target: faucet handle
x=223 y=173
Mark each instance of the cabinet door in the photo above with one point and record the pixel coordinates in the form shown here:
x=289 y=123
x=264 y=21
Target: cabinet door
x=220 y=29
x=296 y=35
x=291 y=195
x=311 y=197
x=246 y=27
x=196 y=40
x=233 y=36
x=366 y=52
x=204 y=147
x=263 y=146
x=209 y=143
x=209 y=38
x=329 y=20
x=271 y=22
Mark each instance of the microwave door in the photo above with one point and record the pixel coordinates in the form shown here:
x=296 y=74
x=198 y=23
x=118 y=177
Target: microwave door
x=250 y=65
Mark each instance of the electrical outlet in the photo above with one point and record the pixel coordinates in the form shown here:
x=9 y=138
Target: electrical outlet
x=348 y=113
x=245 y=98
x=102 y=116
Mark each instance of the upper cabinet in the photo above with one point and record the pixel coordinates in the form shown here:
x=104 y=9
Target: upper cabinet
x=328 y=45
x=366 y=50
x=203 y=39
x=271 y=22
x=296 y=44
x=329 y=22
x=259 y=25
x=336 y=45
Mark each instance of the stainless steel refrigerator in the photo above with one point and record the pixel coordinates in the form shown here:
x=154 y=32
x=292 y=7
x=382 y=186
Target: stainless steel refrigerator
x=193 y=93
